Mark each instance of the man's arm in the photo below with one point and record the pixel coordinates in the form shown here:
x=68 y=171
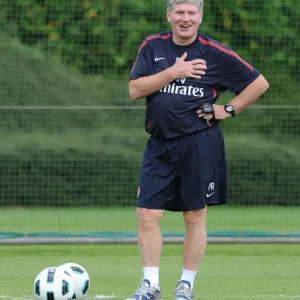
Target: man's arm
x=145 y=86
x=248 y=96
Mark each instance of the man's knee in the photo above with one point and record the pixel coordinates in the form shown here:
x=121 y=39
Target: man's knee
x=197 y=217
x=149 y=216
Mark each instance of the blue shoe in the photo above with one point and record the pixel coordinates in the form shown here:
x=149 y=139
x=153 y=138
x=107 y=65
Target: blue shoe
x=183 y=291
x=146 y=292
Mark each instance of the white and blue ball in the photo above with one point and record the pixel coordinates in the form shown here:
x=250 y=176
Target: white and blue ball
x=53 y=284
x=80 y=277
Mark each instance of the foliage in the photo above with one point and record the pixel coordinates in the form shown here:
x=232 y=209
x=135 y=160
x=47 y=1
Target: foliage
x=102 y=37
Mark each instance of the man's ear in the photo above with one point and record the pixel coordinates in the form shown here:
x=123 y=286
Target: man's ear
x=201 y=13
x=168 y=15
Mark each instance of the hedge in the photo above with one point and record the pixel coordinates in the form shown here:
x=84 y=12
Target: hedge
x=260 y=173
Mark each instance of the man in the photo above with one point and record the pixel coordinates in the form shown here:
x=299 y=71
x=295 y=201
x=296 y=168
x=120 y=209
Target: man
x=182 y=73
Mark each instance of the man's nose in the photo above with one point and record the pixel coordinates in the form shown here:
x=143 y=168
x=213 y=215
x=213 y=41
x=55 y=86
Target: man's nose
x=185 y=17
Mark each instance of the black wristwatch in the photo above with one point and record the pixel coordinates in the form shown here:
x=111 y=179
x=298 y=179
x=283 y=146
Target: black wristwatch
x=230 y=109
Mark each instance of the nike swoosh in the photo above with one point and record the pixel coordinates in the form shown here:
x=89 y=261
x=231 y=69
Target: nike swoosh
x=159 y=58
x=208 y=195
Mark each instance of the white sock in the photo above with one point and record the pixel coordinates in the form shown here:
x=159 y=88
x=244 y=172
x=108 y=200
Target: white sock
x=152 y=274
x=189 y=276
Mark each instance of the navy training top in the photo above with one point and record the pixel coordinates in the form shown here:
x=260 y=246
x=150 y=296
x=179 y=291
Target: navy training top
x=171 y=111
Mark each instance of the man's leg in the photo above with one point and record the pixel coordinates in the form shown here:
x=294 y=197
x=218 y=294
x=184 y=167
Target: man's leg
x=150 y=246
x=150 y=242
x=194 y=246
x=156 y=189
x=203 y=182
x=195 y=240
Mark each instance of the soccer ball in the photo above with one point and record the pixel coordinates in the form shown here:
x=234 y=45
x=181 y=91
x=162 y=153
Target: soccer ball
x=53 y=284
x=80 y=277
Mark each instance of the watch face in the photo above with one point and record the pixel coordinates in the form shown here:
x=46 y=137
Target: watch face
x=229 y=108
x=207 y=108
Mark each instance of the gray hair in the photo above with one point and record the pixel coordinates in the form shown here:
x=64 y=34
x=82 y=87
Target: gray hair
x=171 y=3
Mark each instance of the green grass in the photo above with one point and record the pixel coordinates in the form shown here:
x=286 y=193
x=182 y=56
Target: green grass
x=81 y=220
x=226 y=272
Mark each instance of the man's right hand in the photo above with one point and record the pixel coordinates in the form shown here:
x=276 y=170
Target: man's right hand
x=184 y=69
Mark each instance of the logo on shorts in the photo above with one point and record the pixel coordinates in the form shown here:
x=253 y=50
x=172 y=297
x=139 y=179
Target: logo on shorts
x=138 y=192
x=210 y=190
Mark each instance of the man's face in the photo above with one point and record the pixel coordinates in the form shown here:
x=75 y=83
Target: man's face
x=185 y=19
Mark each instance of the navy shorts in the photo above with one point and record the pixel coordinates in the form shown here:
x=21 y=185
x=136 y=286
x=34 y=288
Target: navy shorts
x=184 y=174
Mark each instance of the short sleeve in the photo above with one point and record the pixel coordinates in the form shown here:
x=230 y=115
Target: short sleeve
x=236 y=74
x=141 y=67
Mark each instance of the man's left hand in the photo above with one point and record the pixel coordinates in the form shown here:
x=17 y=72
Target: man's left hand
x=220 y=113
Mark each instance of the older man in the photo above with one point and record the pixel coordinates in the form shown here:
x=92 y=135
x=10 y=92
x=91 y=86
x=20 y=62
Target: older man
x=182 y=73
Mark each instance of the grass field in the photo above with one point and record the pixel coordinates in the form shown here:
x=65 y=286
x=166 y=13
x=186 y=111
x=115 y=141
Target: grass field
x=81 y=220
x=227 y=271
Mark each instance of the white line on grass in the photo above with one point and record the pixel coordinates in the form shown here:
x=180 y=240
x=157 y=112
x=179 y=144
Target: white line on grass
x=16 y=298
x=26 y=297
x=277 y=296
x=247 y=296
x=264 y=296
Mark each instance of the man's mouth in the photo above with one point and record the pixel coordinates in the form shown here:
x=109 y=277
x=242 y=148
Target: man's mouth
x=184 y=27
